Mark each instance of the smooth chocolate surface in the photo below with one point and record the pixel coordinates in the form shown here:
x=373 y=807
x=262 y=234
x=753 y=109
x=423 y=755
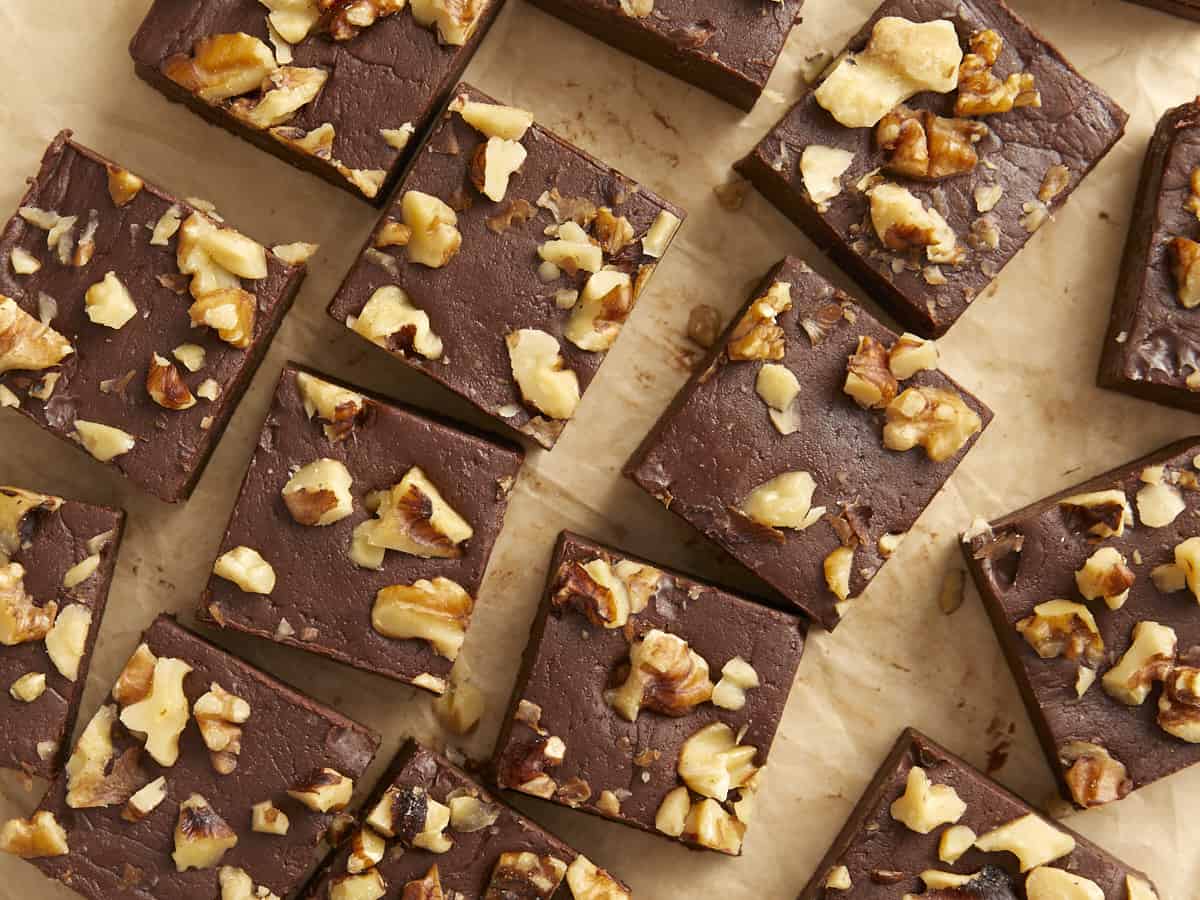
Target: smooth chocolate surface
x=1075 y=127
x=1152 y=348
x=322 y=601
x=885 y=858
x=571 y=662
x=35 y=737
x=465 y=870
x=716 y=443
x=492 y=288
x=727 y=49
x=104 y=379
x=1052 y=547
x=391 y=74
x=286 y=739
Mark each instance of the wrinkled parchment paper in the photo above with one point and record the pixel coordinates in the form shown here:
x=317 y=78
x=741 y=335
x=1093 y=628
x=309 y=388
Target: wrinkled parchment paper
x=1028 y=347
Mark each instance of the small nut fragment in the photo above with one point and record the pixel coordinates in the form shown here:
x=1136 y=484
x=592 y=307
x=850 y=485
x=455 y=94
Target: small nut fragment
x=1138 y=889
x=266 y=818
x=368 y=886
x=23 y=262
x=954 y=842
x=166 y=227
x=455 y=20
x=838 y=879
x=926 y=146
x=26 y=343
x=712 y=762
x=296 y=253
x=21 y=620
x=1159 y=504
x=222 y=66
x=87 y=767
x=672 y=814
x=236 y=884
x=35 y=838
x=778 y=387
x=710 y=825
x=412 y=816
x=1101 y=514
x=1105 y=576
x=67 y=639
x=1063 y=628
x=437 y=612
x=980 y=93
x=435 y=237
x=339 y=407
x=325 y=790
x=821 y=169
x=284 y=92
x=541 y=373
x=869 y=380
x=220 y=715
x=837 y=567
x=162 y=713
x=614 y=233
x=1030 y=838
x=757 y=334
x=191 y=355
x=1179 y=704
x=201 y=835
x=469 y=814
x=987 y=196
x=1148 y=659
x=924 y=805
x=587 y=882
x=366 y=850
x=246 y=568
x=146 y=800
x=910 y=355
x=104 y=442
x=1047 y=883
x=933 y=418
x=1093 y=775
x=902 y=222
x=661 y=233
x=29 y=687
x=166 y=386
x=602 y=308
x=492 y=119
x=319 y=493
x=665 y=675
x=607 y=594
x=1185 y=266
x=413 y=517
x=493 y=165
x=230 y=312
x=123 y=185
x=737 y=677
x=525 y=875
x=784 y=502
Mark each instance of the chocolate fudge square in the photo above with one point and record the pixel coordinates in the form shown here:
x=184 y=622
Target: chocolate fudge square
x=131 y=322
x=928 y=157
x=727 y=49
x=362 y=531
x=1152 y=349
x=932 y=825
x=199 y=776
x=1093 y=595
x=57 y=559
x=431 y=830
x=809 y=441
x=1188 y=9
x=506 y=265
x=340 y=88
x=648 y=698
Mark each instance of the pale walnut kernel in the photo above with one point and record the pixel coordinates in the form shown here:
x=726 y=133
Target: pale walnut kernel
x=869 y=380
x=1047 y=883
x=608 y=595
x=21 y=620
x=737 y=678
x=541 y=374
x=526 y=875
x=1030 y=838
x=161 y=715
x=29 y=687
x=222 y=66
x=1183 y=573
x=1062 y=628
x=398 y=138
x=672 y=814
x=435 y=236
x=933 y=418
x=1159 y=504
x=1185 y=266
x=344 y=19
x=35 y=838
x=339 y=407
x=284 y=92
x=710 y=825
x=1093 y=775
x=837 y=568
x=587 y=882
x=1101 y=514
x=492 y=119
x=838 y=879
x=493 y=164
x=368 y=886
x=89 y=761
x=712 y=762
x=1148 y=659
x=821 y=169
x=704 y=325
x=23 y=262
x=109 y=303
x=911 y=354
x=392 y=233
x=220 y=715
x=201 y=835
x=454 y=20
x=230 y=312
x=1179 y=704
x=325 y=790
x=784 y=502
x=296 y=253
x=366 y=849
x=757 y=334
x=954 y=842
x=926 y=146
x=661 y=233
x=103 y=442
x=469 y=814
x=319 y=493
x=1105 y=576
x=981 y=93
x=613 y=232
x=413 y=517
x=602 y=308
x=665 y=676
x=437 y=612
x=410 y=814
x=66 y=640
x=902 y=223
x=26 y=343
x=145 y=800
x=572 y=250
x=236 y=884
x=266 y=818
x=166 y=386
x=925 y=806
x=123 y=185
x=246 y=568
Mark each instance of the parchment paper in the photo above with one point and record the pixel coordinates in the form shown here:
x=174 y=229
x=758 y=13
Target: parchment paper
x=1028 y=347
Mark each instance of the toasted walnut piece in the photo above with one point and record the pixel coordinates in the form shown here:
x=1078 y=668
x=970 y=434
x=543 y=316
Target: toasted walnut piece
x=1102 y=514
x=609 y=803
x=494 y=163
x=469 y=814
x=492 y=119
x=607 y=595
x=757 y=335
x=325 y=790
x=67 y=639
x=166 y=227
x=1030 y=838
x=737 y=677
x=246 y=568
x=1063 y=628
x=345 y=19
x=541 y=373
x=435 y=237
x=222 y=66
x=8 y=399
x=603 y=306
x=35 y=838
x=525 y=875
x=23 y=262
x=209 y=389
x=868 y=379
x=1105 y=576
x=145 y=800
x=89 y=762
x=1047 y=883
x=954 y=842
x=712 y=762
x=455 y=20
x=413 y=517
x=21 y=621
x=366 y=850
x=104 y=442
x=81 y=571
x=911 y=354
x=901 y=59
x=902 y=222
x=837 y=567
x=987 y=196
x=461 y=707
x=1093 y=775
x=217 y=257
x=1185 y=266
x=1084 y=679
x=437 y=612
x=319 y=493
x=672 y=814
x=927 y=146
x=201 y=835
x=1139 y=889
x=266 y=818
x=1179 y=704
x=587 y=882
x=614 y=232
x=220 y=715
x=392 y=233
x=398 y=138
x=661 y=233
x=784 y=502
x=296 y=253
x=339 y=407
x=236 y=884
x=15 y=505
x=925 y=805
x=285 y=91
x=162 y=714
x=26 y=343
x=821 y=169
x=368 y=886
x=1159 y=504
x=123 y=185
x=933 y=418
x=29 y=687
x=710 y=825
x=166 y=386
x=838 y=879
x=981 y=93
x=293 y=19
x=137 y=678
x=1148 y=659
x=665 y=675
x=230 y=312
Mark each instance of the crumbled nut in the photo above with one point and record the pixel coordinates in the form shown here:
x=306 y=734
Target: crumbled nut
x=319 y=493
x=926 y=146
x=392 y=233
x=8 y=400
x=587 y=882
x=1148 y=659
x=603 y=306
x=609 y=803
x=1105 y=576
x=165 y=228
x=81 y=571
x=1179 y=704
x=137 y=678
x=901 y=59
x=924 y=805
x=162 y=713
x=902 y=222
x=435 y=237
x=166 y=386
x=712 y=762
x=737 y=677
x=837 y=567
x=987 y=196
x=59 y=232
x=1137 y=889
x=285 y=90
x=21 y=620
x=104 y=442
x=29 y=687
x=1030 y=838
x=437 y=612
x=67 y=639
x=608 y=595
x=757 y=334
x=230 y=312
x=236 y=884
x=368 y=886
x=339 y=407
x=266 y=818
x=910 y=355
x=614 y=233
x=868 y=379
x=665 y=675
x=220 y=715
x=525 y=875
x=208 y=390
x=201 y=835
x=413 y=517
x=572 y=251
x=661 y=233
x=469 y=814
x=297 y=253
x=672 y=814
x=1047 y=883
x=784 y=502
x=87 y=767
x=838 y=879
x=1092 y=774
x=1159 y=504
x=366 y=850
x=398 y=138
x=411 y=815
x=709 y=825
x=821 y=169
x=1084 y=679
x=246 y=568
x=454 y=19
x=954 y=842
x=930 y=417
x=980 y=93
x=146 y=800
x=325 y=790
x=1063 y=628
x=541 y=373
x=34 y=838
x=492 y=119
x=704 y=325
x=1102 y=514
x=495 y=162
x=216 y=257
x=23 y=262
x=26 y=343
x=222 y=66
x=461 y=707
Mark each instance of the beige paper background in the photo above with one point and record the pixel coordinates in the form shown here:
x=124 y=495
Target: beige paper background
x=1028 y=347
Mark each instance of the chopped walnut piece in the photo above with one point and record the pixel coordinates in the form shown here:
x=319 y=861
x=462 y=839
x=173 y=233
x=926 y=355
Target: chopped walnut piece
x=454 y=20
x=325 y=790
x=319 y=493
x=145 y=800
x=435 y=236
x=837 y=566
x=492 y=119
x=34 y=838
x=927 y=146
x=1030 y=838
x=161 y=715
x=672 y=814
x=1062 y=628
x=821 y=169
x=494 y=163
x=925 y=806
x=437 y=612
x=1148 y=659
x=1101 y=514
x=66 y=640
x=933 y=418
x=26 y=343
x=526 y=772
x=413 y=517
x=572 y=251
x=784 y=502
x=103 y=442
x=166 y=386
x=123 y=185
x=21 y=620
x=23 y=262
x=665 y=675
x=712 y=762
x=1159 y=504
x=911 y=354
x=236 y=884
x=1105 y=576
x=246 y=568
x=954 y=842
x=869 y=380
x=344 y=19
x=614 y=233
x=757 y=334
x=1092 y=774
x=1179 y=704
x=981 y=93
x=661 y=233
x=29 y=687
x=737 y=677
x=137 y=678
x=710 y=825
x=902 y=222
x=413 y=817
x=1185 y=266
x=541 y=373
x=284 y=92
x=602 y=308
x=220 y=715
x=201 y=835
x=607 y=594
x=266 y=818
x=367 y=886
x=587 y=882
x=366 y=850
x=525 y=875
x=88 y=785
x=222 y=66
x=339 y=407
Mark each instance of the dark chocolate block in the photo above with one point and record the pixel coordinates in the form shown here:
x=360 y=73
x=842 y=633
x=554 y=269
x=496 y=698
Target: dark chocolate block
x=1188 y=9
x=57 y=559
x=880 y=857
x=124 y=834
x=1034 y=156
x=93 y=244
x=635 y=675
x=1152 y=349
x=455 y=322
x=720 y=441
x=478 y=847
x=344 y=101
x=324 y=600
x=1108 y=584
x=727 y=49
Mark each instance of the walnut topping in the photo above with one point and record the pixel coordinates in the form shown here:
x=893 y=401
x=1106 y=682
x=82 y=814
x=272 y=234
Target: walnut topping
x=26 y=343
x=778 y=387
x=1062 y=628
x=413 y=517
x=319 y=493
x=492 y=119
x=246 y=568
x=166 y=386
x=59 y=231
x=217 y=258
x=514 y=212
x=145 y=800
x=587 y=882
x=927 y=146
x=1047 y=883
x=954 y=842
x=607 y=594
x=435 y=236
x=1105 y=576
x=757 y=334
x=837 y=567
x=89 y=786
x=1138 y=889
x=344 y=19
x=454 y=20
x=525 y=771
x=784 y=502
x=123 y=185
x=910 y=355
x=366 y=850
x=1030 y=838
x=469 y=814
x=494 y=163
x=413 y=817
x=266 y=818
x=869 y=380
x=437 y=612
x=236 y=884
x=603 y=306
x=838 y=879
x=924 y=805
x=325 y=790
x=1159 y=504
x=1183 y=573
x=103 y=442
x=15 y=505
x=1179 y=704
x=284 y=91
x=525 y=875
x=222 y=66
x=737 y=677
x=220 y=715
x=710 y=825
x=933 y=418
x=1101 y=514
x=1148 y=659
x=368 y=886
x=392 y=233
x=34 y=838
x=541 y=373
x=1185 y=266
x=137 y=678
x=201 y=835
x=161 y=714
x=980 y=92
x=712 y=762
x=672 y=814
x=821 y=169
x=614 y=233
x=21 y=620
x=573 y=250
x=67 y=639
x=901 y=59
x=665 y=675
x=293 y=19
x=1093 y=775
x=661 y=233
x=340 y=408
x=23 y=262
x=902 y=222
x=29 y=687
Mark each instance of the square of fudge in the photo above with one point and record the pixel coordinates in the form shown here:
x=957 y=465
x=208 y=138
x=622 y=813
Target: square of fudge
x=431 y=830
x=1152 y=349
x=727 y=49
x=648 y=698
x=340 y=88
x=507 y=290
x=57 y=559
x=923 y=198
x=1092 y=593
x=810 y=441
x=199 y=774
x=931 y=824
x=131 y=322
x=372 y=526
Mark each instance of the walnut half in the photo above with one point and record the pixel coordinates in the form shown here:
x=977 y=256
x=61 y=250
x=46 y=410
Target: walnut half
x=436 y=612
x=927 y=146
x=665 y=675
x=933 y=418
